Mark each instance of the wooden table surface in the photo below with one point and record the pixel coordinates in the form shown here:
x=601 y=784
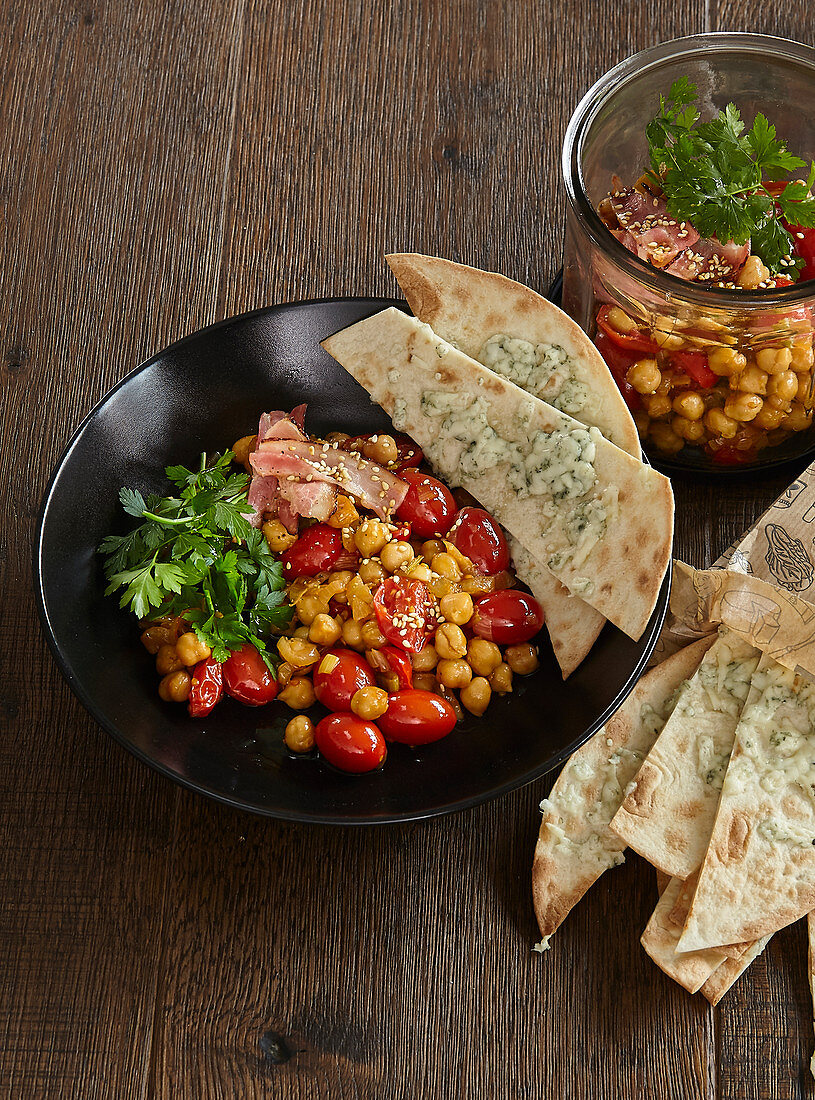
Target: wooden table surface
x=166 y=165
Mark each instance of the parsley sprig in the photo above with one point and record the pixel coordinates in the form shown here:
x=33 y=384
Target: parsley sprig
x=195 y=553
x=713 y=175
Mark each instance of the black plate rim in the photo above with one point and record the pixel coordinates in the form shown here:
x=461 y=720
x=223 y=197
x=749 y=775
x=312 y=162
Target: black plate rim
x=654 y=626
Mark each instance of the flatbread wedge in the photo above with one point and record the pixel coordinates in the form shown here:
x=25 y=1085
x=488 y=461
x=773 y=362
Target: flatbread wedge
x=598 y=519
x=572 y=625
x=811 y=970
x=759 y=871
x=575 y=846
x=517 y=333
x=661 y=935
x=667 y=815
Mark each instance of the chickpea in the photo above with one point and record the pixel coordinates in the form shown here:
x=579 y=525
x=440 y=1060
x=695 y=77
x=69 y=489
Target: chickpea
x=154 y=637
x=501 y=679
x=344 y=514
x=522 y=658
x=369 y=703
x=445 y=566
x=426 y=659
x=659 y=406
x=666 y=335
x=751 y=380
x=420 y=572
x=371 y=573
x=476 y=696
x=430 y=548
x=394 y=555
x=774 y=360
x=753 y=273
x=381 y=448
x=299 y=734
x=309 y=607
x=725 y=361
x=769 y=418
x=796 y=420
x=243 y=448
x=666 y=439
x=743 y=407
x=692 y=431
x=324 y=630
x=298 y=652
x=484 y=656
x=175 y=687
x=804 y=390
x=425 y=681
x=803 y=358
x=719 y=423
x=277 y=537
x=168 y=660
x=644 y=376
x=372 y=636
x=783 y=385
x=478 y=584
x=690 y=405
x=619 y=320
x=457 y=607
x=370 y=537
x=298 y=693
x=453 y=673
x=191 y=649
x=450 y=641
x=352 y=635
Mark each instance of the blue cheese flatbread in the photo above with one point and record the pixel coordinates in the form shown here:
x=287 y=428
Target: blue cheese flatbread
x=598 y=519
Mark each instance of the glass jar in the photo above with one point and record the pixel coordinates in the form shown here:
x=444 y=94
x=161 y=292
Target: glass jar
x=758 y=342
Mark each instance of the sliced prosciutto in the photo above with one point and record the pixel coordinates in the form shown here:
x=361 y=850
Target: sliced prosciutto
x=281 y=425
x=315 y=499
x=649 y=230
x=710 y=261
x=292 y=461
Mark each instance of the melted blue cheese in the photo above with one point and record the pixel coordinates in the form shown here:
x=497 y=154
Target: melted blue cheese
x=545 y=370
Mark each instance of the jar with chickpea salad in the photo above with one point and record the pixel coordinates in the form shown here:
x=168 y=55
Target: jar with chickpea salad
x=716 y=365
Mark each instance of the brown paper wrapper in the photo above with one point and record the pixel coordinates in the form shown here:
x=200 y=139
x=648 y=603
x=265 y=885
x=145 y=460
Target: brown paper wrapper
x=760 y=587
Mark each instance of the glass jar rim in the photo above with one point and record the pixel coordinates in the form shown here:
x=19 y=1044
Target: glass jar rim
x=665 y=285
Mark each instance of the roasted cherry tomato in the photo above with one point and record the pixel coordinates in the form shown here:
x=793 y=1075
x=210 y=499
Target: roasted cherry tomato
x=350 y=743
x=206 y=688
x=728 y=455
x=405 y=612
x=694 y=364
x=410 y=453
x=399 y=664
x=618 y=363
x=629 y=341
x=339 y=675
x=247 y=678
x=416 y=717
x=317 y=550
x=477 y=535
x=428 y=507
x=507 y=617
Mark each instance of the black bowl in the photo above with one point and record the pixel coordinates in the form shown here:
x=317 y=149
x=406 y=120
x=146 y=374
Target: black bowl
x=201 y=394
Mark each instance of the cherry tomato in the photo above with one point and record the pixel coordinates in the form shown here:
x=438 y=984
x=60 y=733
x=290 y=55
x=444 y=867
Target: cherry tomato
x=405 y=611
x=317 y=550
x=477 y=535
x=416 y=717
x=694 y=364
x=247 y=679
x=728 y=455
x=507 y=617
x=618 y=363
x=410 y=453
x=206 y=688
x=428 y=507
x=350 y=743
x=629 y=341
x=336 y=681
x=399 y=664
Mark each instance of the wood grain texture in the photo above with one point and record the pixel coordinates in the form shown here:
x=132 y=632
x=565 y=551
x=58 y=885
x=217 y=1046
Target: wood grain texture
x=166 y=165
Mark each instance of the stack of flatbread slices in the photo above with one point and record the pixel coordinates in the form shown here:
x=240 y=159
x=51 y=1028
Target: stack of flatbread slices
x=708 y=772
x=509 y=399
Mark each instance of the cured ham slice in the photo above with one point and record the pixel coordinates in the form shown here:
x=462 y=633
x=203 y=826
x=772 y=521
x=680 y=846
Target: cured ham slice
x=294 y=461
x=656 y=236
x=315 y=499
x=281 y=425
x=710 y=261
